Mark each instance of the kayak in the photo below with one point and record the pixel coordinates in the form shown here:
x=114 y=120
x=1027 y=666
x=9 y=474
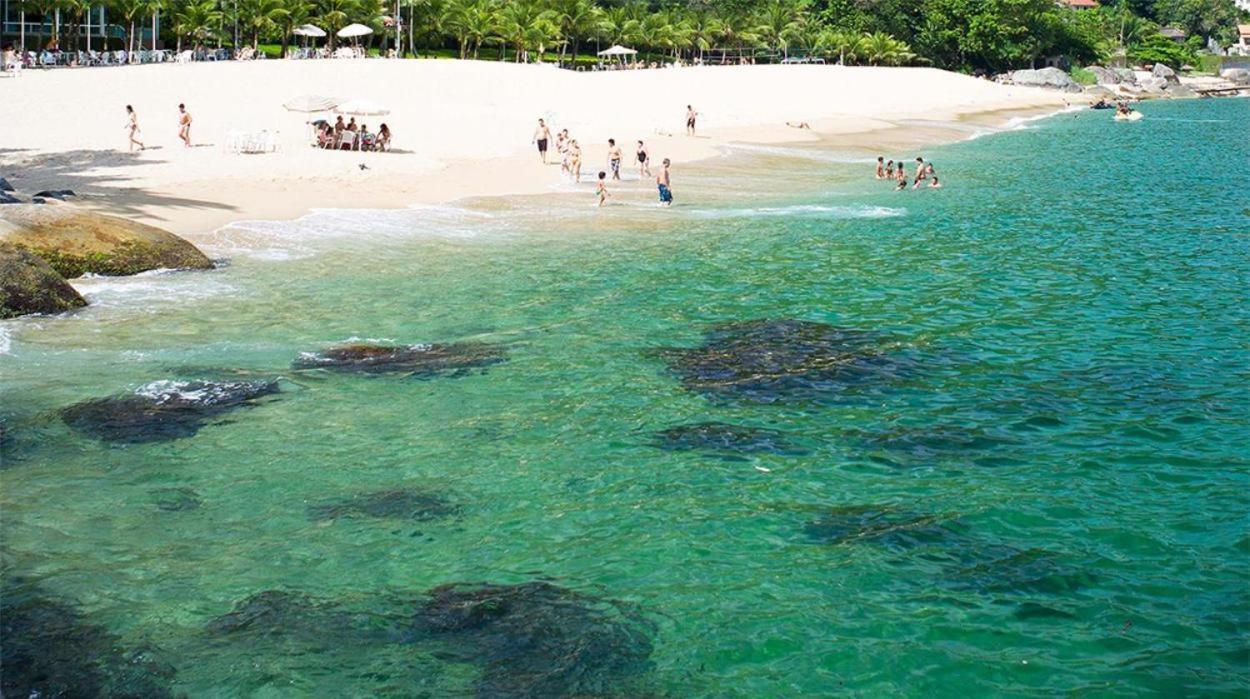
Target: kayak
x=1131 y=116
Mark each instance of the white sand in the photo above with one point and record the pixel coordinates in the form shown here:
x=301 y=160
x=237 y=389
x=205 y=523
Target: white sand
x=462 y=128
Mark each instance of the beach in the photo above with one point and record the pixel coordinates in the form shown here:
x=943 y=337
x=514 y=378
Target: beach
x=462 y=128
x=444 y=427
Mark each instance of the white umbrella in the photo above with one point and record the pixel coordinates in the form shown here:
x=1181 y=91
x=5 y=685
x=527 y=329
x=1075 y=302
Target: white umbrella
x=361 y=108
x=311 y=103
x=309 y=30
x=617 y=50
x=354 y=30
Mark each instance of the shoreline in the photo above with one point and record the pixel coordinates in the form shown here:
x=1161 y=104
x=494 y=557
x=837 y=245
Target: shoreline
x=195 y=192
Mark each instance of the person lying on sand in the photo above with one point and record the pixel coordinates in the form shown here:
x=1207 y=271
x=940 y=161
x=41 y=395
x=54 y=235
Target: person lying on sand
x=798 y=125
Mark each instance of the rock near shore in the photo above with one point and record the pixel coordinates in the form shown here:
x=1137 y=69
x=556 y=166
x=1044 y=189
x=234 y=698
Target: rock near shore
x=28 y=284
x=1051 y=78
x=76 y=242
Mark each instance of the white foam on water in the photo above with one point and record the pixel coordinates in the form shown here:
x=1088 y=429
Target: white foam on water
x=1023 y=123
x=802 y=210
x=6 y=339
x=154 y=288
x=312 y=233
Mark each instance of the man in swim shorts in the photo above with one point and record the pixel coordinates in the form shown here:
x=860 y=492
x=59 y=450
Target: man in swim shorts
x=541 y=135
x=662 y=183
x=691 y=115
x=614 y=158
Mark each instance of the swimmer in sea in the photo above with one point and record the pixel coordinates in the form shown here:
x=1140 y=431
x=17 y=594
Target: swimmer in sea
x=881 y=167
x=935 y=184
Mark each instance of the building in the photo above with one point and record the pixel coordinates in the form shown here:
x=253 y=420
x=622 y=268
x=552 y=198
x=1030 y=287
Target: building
x=1243 y=38
x=21 y=26
x=1081 y=4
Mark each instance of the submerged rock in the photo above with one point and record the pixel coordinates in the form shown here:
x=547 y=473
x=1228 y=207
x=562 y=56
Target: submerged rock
x=539 y=640
x=1003 y=569
x=162 y=410
x=176 y=499
x=76 y=242
x=29 y=285
x=943 y=441
x=774 y=360
x=886 y=526
x=406 y=504
x=427 y=360
x=50 y=650
x=723 y=438
x=273 y=612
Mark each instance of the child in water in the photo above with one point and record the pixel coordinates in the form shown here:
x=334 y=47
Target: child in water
x=602 y=189
x=934 y=184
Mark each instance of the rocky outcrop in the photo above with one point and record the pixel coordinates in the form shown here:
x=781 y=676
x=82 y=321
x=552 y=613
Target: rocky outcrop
x=1105 y=76
x=76 y=242
x=1166 y=74
x=29 y=285
x=1051 y=78
x=1241 y=76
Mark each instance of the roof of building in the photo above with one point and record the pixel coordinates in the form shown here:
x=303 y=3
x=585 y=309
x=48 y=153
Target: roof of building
x=1173 y=33
x=1080 y=4
x=1243 y=29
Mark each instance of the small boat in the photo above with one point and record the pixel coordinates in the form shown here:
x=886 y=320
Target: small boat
x=1130 y=116
x=1102 y=105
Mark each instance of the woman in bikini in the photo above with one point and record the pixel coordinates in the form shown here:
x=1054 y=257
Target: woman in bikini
x=132 y=123
x=575 y=161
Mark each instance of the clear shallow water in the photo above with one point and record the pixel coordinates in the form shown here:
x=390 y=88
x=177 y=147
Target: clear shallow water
x=1055 y=478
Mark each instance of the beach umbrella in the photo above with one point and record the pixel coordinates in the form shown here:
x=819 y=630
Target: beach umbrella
x=617 y=50
x=354 y=30
x=361 y=108
x=309 y=30
x=311 y=103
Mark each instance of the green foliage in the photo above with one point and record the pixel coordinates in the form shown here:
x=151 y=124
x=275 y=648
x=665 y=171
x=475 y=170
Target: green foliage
x=1084 y=77
x=1160 y=49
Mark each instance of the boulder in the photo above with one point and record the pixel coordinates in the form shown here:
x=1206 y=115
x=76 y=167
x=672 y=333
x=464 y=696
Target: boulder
x=5 y=186
x=1168 y=75
x=28 y=284
x=1105 y=76
x=1154 y=85
x=1240 y=76
x=76 y=242
x=1051 y=78
x=1126 y=75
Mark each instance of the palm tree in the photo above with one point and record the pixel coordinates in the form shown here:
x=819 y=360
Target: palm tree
x=779 y=21
x=130 y=10
x=198 y=20
x=881 y=48
x=577 y=20
x=333 y=15
x=839 y=41
x=259 y=16
x=294 y=13
x=704 y=28
x=520 y=22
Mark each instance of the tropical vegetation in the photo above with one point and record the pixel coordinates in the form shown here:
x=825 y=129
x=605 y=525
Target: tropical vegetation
x=966 y=35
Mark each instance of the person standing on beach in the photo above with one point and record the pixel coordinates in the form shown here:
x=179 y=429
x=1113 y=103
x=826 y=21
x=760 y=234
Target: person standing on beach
x=640 y=156
x=662 y=183
x=541 y=135
x=184 y=125
x=691 y=116
x=614 y=158
x=132 y=123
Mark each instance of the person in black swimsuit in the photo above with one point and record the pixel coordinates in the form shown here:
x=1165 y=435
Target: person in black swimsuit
x=640 y=157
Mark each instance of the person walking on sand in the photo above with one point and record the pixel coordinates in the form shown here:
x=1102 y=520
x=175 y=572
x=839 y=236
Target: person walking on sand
x=132 y=124
x=184 y=125
x=541 y=135
x=601 y=190
x=641 y=155
x=662 y=183
x=691 y=116
x=614 y=158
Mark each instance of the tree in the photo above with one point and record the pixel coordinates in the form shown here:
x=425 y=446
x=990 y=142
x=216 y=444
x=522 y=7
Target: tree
x=295 y=13
x=260 y=16
x=198 y=20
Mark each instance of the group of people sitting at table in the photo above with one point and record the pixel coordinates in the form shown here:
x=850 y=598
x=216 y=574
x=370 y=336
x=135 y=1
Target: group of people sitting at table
x=350 y=136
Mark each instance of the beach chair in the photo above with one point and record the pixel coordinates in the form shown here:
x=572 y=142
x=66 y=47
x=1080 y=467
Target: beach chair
x=349 y=139
x=14 y=69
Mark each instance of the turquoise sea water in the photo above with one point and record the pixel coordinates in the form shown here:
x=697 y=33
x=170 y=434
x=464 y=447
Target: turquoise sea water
x=1036 y=481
